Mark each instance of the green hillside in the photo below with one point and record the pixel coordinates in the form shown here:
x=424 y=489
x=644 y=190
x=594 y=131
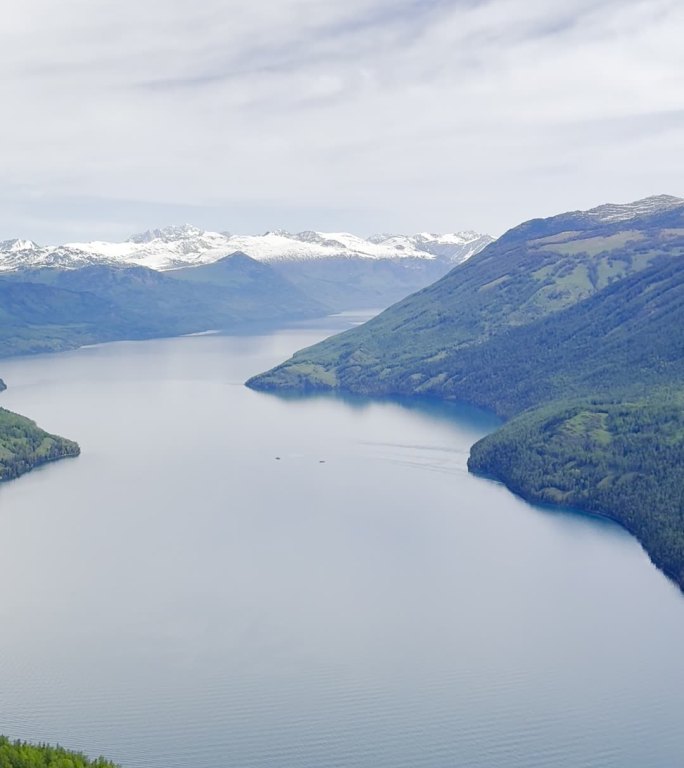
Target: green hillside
x=533 y=271
x=621 y=339
x=580 y=343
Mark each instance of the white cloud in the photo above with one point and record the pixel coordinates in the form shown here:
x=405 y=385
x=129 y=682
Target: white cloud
x=368 y=114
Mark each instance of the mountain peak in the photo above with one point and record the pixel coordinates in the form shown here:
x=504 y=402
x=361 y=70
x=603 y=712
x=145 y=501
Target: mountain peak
x=276 y=233
x=167 y=234
x=17 y=244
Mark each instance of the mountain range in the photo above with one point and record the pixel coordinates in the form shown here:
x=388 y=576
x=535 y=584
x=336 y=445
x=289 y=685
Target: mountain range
x=570 y=327
x=183 y=246
x=183 y=280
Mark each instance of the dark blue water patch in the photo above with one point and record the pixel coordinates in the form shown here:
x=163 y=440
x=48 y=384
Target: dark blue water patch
x=478 y=420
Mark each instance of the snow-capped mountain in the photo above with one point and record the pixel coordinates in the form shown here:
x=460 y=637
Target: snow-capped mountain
x=183 y=246
x=17 y=246
x=25 y=254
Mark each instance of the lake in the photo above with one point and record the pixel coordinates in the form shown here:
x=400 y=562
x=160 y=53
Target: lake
x=229 y=579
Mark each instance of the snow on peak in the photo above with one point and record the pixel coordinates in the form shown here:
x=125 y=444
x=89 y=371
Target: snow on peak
x=613 y=212
x=455 y=246
x=186 y=245
x=167 y=234
x=277 y=233
x=17 y=245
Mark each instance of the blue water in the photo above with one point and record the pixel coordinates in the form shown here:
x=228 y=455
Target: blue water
x=177 y=597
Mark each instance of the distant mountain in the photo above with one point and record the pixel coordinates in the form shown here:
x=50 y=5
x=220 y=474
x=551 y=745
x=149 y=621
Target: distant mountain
x=347 y=272
x=45 y=310
x=183 y=246
x=255 y=290
x=337 y=271
x=572 y=327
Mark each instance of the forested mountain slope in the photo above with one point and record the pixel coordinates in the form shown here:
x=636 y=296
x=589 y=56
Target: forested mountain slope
x=537 y=269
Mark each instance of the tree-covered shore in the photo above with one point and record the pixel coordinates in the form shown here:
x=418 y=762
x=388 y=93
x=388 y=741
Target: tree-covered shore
x=622 y=460
x=20 y=754
x=24 y=446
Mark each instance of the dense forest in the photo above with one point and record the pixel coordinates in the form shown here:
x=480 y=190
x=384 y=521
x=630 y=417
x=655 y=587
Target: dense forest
x=571 y=327
x=23 y=445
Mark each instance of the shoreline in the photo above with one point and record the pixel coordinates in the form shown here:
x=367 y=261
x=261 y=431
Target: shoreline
x=551 y=507
x=529 y=498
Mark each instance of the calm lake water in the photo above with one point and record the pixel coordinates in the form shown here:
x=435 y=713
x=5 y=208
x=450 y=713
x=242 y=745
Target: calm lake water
x=179 y=598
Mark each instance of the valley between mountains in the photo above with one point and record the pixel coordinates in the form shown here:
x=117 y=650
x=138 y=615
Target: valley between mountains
x=570 y=328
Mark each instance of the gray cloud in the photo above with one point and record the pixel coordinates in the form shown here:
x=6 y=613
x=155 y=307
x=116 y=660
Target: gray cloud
x=363 y=115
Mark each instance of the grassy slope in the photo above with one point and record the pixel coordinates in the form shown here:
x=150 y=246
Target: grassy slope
x=554 y=311
x=618 y=340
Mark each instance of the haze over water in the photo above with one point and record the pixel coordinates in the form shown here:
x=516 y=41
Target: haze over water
x=179 y=597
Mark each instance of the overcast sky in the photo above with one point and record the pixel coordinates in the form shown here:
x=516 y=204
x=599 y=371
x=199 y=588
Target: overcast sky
x=359 y=115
